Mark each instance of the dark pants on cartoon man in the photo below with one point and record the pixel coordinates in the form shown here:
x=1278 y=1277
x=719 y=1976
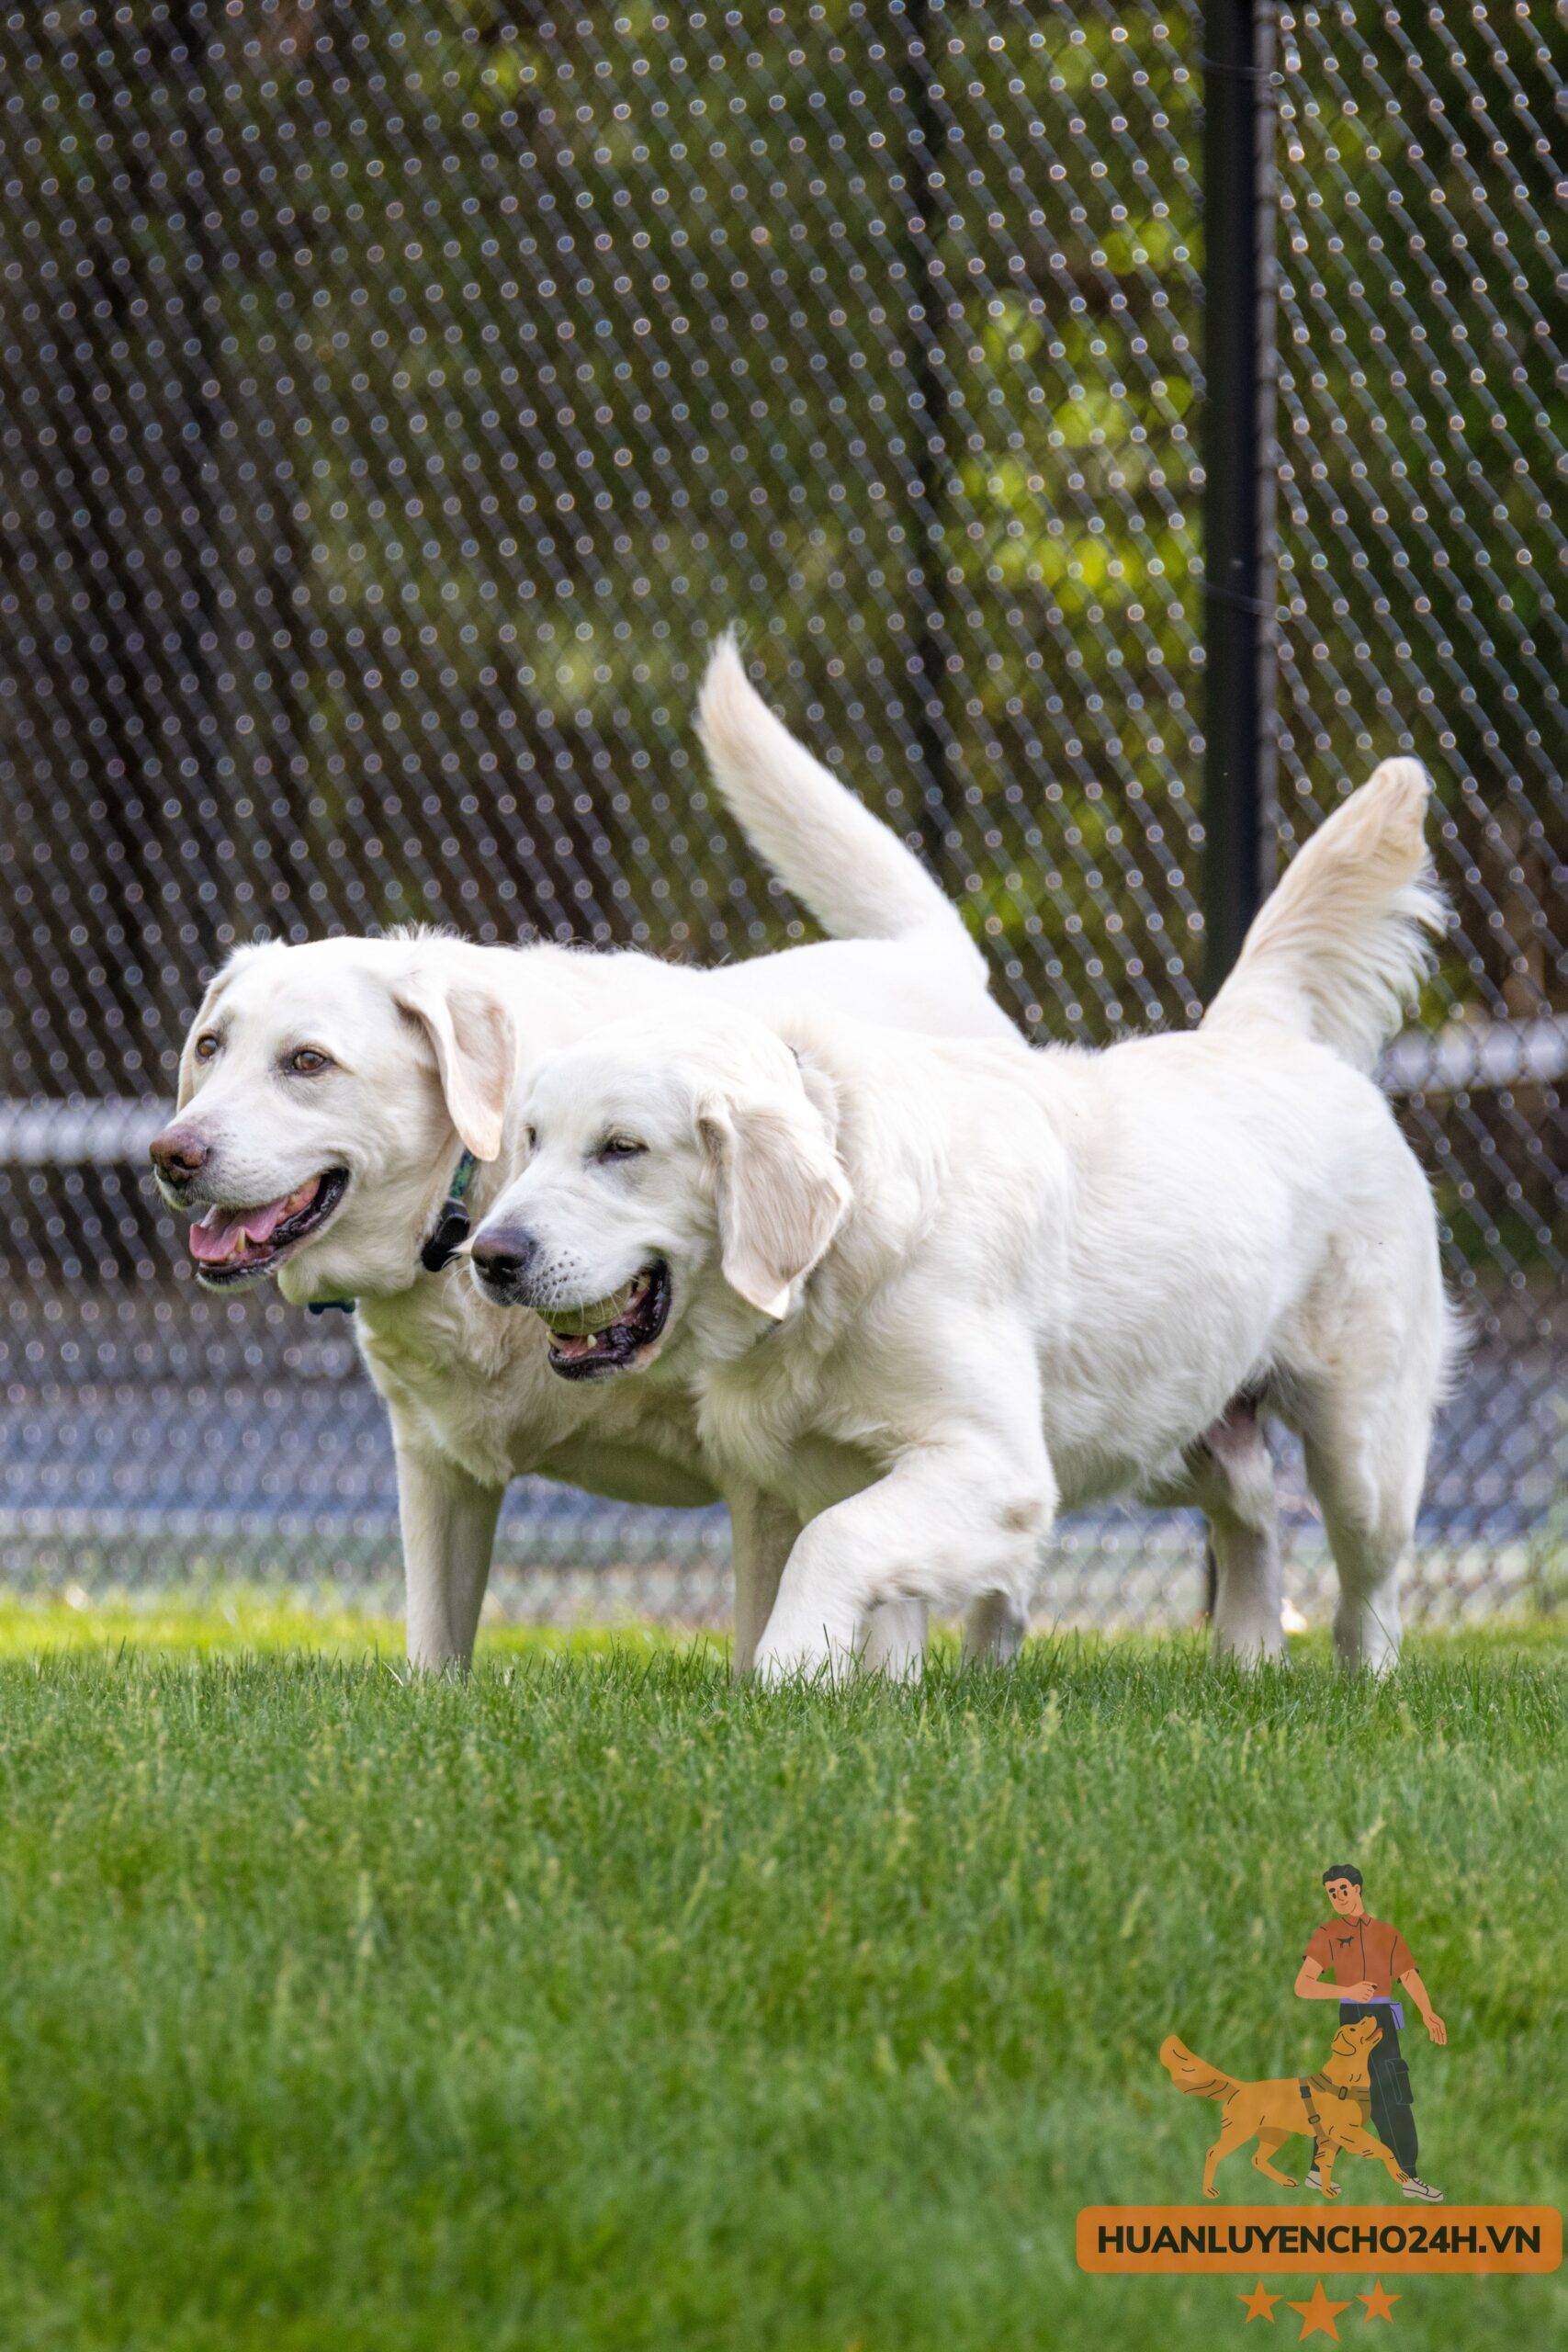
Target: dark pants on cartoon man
x=1393 y=2117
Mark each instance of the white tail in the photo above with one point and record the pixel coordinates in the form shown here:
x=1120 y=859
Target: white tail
x=838 y=859
x=1339 y=951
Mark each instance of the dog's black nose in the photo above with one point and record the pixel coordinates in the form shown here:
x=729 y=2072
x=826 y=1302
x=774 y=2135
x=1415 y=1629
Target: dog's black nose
x=501 y=1259
x=179 y=1154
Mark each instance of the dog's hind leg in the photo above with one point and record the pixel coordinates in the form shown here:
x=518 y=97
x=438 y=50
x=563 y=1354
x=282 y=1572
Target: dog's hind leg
x=895 y=1641
x=1360 y=1377
x=1230 y=1476
x=1269 y=2142
x=994 y=1628
x=1235 y=2132
x=1366 y=1463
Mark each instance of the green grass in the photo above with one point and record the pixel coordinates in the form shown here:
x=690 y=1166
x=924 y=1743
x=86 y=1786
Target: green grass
x=598 y=2004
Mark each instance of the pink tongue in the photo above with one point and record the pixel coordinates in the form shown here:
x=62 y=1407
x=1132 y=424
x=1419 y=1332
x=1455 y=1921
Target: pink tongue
x=223 y=1234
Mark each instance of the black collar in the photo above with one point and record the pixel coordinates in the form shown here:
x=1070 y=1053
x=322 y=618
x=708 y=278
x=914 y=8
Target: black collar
x=452 y=1225
x=450 y=1232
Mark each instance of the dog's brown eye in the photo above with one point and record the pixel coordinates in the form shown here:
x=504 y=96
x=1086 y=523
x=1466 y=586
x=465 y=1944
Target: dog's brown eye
x=532 y=1139
x=206 y=1046
x=621 y=1147
x=308 y=1060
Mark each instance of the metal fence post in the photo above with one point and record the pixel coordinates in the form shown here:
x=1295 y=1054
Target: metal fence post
x=927 y=321
x=1239 y=464
x=1238 y=493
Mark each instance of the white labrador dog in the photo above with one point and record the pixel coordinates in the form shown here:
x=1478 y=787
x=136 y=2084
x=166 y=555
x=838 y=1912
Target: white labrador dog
x=927 y=1295
x=333 y=1096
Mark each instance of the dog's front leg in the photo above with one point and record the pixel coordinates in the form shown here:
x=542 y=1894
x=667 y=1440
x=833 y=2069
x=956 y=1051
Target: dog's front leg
x=763 y=1531
x=950 y=1520
x=1361 y=2142
x=448 y=1528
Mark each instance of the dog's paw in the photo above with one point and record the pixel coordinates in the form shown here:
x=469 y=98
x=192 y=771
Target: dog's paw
x=779 y=1663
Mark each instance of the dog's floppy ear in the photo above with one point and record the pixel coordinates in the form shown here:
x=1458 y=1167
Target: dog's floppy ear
x=781 y=1192
x=471 y=1035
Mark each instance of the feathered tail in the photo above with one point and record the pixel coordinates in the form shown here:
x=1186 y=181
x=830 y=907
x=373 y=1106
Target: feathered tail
x=1340 y=949
x=855 y=876
x=1191 y=2074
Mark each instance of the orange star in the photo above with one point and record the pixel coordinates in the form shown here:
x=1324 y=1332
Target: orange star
x=1259 y=2304
x=1319 y=2316
x=1379 y=2305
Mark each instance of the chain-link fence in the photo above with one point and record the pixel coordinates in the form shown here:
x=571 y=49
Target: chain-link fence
x=400 y=396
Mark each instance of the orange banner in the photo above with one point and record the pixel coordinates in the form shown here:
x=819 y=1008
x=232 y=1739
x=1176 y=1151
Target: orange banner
x=1183 y=2239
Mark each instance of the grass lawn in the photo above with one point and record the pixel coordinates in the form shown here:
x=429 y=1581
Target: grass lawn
x=598 y=2004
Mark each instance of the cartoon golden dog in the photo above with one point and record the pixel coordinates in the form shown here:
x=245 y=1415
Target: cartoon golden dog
x=1330 y=2107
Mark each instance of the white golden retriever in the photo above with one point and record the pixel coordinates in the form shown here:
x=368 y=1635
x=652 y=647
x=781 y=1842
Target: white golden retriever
x=333 y=1095
x=927 y=1295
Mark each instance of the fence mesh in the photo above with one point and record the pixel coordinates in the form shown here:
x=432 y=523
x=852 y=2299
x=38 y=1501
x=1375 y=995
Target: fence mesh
x=399 y=399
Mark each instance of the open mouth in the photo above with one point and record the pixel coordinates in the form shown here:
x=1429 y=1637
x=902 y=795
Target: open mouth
x=234 y=1245
x=609 y=1335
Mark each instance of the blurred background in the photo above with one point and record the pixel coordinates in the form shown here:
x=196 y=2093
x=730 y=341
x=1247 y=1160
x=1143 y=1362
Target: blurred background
x=398 y=400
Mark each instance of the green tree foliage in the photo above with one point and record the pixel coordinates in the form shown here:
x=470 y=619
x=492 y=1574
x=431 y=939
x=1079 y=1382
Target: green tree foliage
x=403 y=395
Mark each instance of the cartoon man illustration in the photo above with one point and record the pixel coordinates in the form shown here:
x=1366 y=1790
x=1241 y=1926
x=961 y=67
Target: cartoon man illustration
x=1366 y=1958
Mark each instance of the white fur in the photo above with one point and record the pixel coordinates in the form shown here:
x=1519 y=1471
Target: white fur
x=427 y=1038
x=856 y=878
x=1034 y=1280
x=1341 y=948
